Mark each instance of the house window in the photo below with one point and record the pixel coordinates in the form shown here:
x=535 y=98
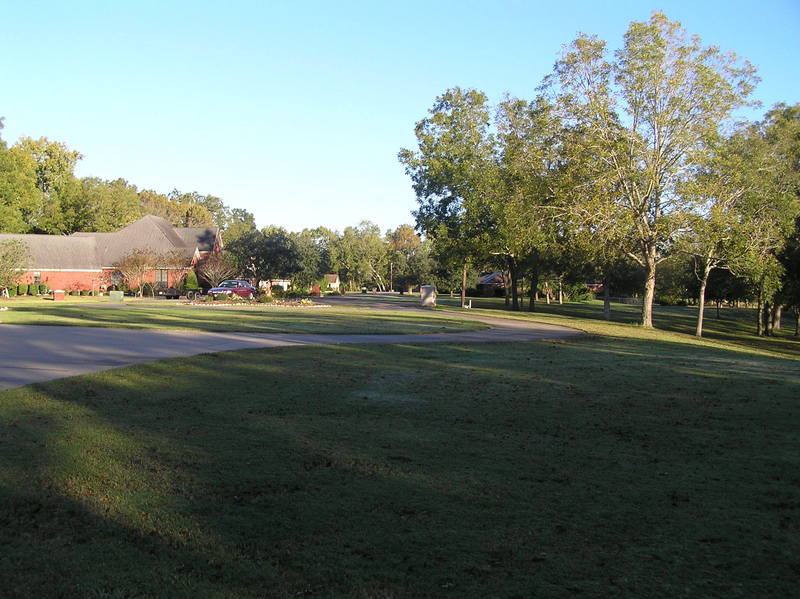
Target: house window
x=161 y=278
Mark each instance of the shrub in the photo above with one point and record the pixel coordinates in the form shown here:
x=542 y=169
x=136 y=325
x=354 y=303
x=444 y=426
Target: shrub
x=278 y=292
x=578 y=292
x=190 y=282
x=147 y=290
x=44 y=289
x=74 y=292
x=12 y=291
x=265 y=299
x=670 y=300
x=22 y=289
x=294 y=293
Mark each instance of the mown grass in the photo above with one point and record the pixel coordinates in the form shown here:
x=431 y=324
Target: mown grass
x=257 y=319
x=631 y=463
x=734 y=328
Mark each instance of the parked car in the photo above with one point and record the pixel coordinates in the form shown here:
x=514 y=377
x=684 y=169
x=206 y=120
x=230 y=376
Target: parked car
x=233 y=287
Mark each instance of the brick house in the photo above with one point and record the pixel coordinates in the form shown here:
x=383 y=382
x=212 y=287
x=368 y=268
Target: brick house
x=85 y=261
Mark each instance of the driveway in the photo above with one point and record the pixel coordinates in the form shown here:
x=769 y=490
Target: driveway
x=30 y=354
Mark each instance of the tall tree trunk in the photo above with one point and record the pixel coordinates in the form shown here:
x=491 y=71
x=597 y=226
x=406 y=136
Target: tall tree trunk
x=759 y=317
x=701 y=298
x=777 y=312
x=766 y=318
x=464 y=283
x=534 y=287
x=512 y=269
x=560 y=292
x=797 y=322
x=606 y=299
x=506 y=287
x=547 y=292
x=649 y=287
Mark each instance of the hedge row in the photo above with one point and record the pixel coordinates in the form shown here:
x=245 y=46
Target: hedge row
x=32 y=289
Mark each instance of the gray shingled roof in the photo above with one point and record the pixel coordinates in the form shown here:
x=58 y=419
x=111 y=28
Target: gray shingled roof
x=200 y=237
x=86 y=251
x=58 y=251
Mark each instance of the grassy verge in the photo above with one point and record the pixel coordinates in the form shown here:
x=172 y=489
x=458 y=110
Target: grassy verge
x=250 y=319
x=630 y=464
x=733 y=328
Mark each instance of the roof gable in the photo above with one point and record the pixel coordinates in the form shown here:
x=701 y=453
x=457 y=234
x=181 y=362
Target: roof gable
x=88 y=250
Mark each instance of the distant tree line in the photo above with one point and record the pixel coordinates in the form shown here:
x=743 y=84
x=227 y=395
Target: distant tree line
x=363 y=257
x=39 y=193
x=623 y=163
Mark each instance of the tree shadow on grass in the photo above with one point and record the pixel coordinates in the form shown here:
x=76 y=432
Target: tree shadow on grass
x=618 y=466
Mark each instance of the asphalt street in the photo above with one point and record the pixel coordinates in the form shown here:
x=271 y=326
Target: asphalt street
x=30 y=354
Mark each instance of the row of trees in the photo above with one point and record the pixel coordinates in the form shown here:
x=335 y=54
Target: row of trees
x=631 y=156
x=39 y=193
x=361 y=255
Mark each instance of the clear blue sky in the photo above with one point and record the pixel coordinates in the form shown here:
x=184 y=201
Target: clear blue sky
x=296 y=110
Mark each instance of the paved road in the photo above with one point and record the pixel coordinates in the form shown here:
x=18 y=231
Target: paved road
x=30 y=354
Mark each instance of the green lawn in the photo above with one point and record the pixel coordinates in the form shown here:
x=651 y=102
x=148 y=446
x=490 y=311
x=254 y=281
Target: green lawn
x=624 y=463
x=94 y=312
x=734 y=328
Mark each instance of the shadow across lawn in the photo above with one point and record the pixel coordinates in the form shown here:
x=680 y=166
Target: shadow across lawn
x=596 y=466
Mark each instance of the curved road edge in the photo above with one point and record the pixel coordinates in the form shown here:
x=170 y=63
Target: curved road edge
x=32 y=353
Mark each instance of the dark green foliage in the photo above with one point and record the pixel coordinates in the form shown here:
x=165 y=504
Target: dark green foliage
x=74 y=292
x=190 y=282
x=12 y=291
x=22 y=289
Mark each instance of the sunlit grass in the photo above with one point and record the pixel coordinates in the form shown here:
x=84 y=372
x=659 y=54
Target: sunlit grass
x=247 y=319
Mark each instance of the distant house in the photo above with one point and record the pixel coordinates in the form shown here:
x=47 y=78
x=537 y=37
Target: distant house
x=86 y=261
x=493 y=283
x=273 y=283
x=332 y=282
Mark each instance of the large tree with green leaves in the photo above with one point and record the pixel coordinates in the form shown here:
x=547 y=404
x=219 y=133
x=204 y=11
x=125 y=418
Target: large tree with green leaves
x=359 y=255
x=266 y=254
x=648 y=112
x=409 y=258
x=55 y=179
x=770 y=209
x=313 y=248
x=745 y=199
x=98 y=205
x=451 y=171
x=523 y=215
